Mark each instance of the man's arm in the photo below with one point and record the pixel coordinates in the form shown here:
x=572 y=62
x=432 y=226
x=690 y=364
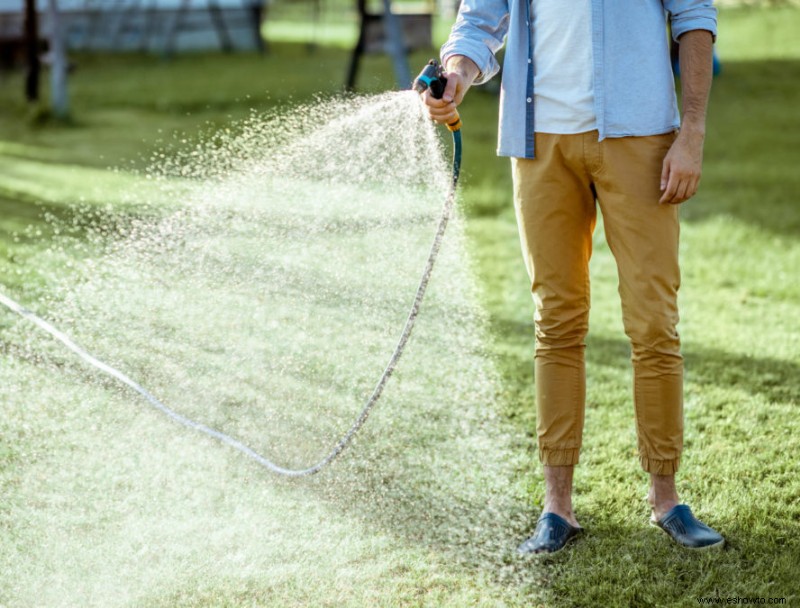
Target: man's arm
x=683 y=164
x=468 y=55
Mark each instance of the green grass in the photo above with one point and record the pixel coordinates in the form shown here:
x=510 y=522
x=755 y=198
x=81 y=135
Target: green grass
x=755 y=34
x=740 y=308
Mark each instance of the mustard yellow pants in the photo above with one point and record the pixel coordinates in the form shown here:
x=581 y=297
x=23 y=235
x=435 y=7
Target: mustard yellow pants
x=556 y=197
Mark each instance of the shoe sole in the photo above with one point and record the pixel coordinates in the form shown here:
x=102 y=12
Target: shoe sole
x=717 y=545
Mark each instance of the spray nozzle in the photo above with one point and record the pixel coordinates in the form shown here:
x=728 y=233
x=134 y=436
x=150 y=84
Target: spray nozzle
x=432 y=78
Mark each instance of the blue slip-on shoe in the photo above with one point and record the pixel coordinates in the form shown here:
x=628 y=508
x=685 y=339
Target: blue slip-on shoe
x=686 y=530
x=551 y=534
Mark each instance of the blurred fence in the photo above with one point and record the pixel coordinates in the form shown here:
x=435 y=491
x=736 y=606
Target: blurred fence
x=176 y=25
x=144 y=25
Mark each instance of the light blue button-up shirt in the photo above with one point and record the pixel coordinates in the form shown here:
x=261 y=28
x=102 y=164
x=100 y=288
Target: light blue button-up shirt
x=634 y=90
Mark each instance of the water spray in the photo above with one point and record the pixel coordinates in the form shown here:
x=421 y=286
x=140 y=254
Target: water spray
x=431 y=78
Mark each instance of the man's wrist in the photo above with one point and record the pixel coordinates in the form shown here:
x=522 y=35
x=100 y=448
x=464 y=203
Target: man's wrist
x=463 y=66
x=695 y=127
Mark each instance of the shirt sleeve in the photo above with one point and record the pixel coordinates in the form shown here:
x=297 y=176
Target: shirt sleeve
x=479 y=32
x=688 y=15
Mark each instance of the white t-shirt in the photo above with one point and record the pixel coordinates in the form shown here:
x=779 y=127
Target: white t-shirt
x=563 y=86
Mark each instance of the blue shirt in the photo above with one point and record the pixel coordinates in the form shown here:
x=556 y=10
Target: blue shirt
x=634 y=90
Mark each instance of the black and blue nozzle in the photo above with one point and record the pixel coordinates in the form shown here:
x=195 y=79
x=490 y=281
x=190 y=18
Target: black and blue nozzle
x=432 y=79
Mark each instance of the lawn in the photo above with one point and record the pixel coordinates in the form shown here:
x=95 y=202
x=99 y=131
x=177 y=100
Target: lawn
x=108 y=503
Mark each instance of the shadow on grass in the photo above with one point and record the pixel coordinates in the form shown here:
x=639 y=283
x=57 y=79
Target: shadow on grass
x=751 y=155
x=18 y=218
x=777 y=380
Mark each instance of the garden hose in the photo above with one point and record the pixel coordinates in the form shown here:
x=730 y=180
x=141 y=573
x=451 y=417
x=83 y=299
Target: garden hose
x=227 y=439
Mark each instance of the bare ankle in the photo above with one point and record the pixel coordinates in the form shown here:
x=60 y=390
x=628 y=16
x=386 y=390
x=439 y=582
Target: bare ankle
x=663 y=495
x=558 y=492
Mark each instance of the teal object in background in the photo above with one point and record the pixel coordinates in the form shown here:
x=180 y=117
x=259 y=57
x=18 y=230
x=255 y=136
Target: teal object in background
x=676 y=65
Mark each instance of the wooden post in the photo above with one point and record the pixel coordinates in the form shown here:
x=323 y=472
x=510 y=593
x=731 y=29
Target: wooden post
x=32 y=51
x=358 y=51
x=256 y=10
x=58 y=65
x=150 y=19
x=395 y=46
x=219 y=24
x=174 y=27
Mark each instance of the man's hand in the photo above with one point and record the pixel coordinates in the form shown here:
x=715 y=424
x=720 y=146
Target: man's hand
x=460 y=72
x=683 y=165
x=684 y=161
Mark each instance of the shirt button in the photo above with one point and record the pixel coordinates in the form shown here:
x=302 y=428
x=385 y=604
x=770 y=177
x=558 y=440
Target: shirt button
x=529 y=99
x=529 y=61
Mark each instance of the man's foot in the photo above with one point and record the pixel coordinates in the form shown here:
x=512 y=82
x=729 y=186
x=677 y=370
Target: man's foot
x=686 y=530
x=552 y=533
x=557 y=524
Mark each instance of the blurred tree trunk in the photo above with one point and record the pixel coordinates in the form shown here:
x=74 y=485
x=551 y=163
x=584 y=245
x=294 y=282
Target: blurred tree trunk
x=32 y=51
x=58 y=66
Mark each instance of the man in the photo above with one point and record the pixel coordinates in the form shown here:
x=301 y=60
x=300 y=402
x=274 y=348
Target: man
x=588 y=115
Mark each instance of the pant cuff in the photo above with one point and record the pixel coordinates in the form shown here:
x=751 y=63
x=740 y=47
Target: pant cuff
x=660 y=467
x=559 y=458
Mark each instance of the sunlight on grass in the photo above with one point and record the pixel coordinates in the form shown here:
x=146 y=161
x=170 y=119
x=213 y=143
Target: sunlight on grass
x=757 y=34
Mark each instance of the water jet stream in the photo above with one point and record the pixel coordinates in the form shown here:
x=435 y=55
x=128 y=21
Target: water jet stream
x=87 y=357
